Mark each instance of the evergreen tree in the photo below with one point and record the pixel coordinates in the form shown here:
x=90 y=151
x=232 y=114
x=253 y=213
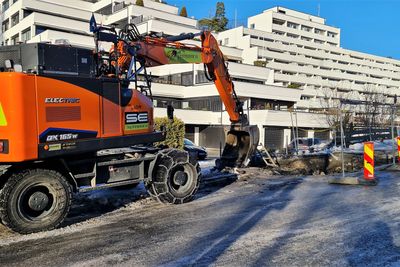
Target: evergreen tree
x=217 y=23
x=183 y=12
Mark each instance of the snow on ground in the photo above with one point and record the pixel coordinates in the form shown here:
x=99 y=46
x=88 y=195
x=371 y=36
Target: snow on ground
x=385 y=146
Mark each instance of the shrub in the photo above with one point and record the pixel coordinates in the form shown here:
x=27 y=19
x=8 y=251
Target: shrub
x=175 y=131
x=139 y=3
x=260 y=63
x=294 y=85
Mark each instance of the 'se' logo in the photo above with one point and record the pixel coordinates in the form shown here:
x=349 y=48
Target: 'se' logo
x=134 y=117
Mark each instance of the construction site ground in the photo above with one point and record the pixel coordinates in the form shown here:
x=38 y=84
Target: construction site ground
x=259 y=220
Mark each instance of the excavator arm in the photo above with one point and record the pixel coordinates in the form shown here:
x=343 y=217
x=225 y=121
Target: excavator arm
x=132 y=48
x=163 y=51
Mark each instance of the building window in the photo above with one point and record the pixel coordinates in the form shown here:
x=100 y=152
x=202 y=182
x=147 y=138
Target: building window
x=305 y=38
x=201 y=77
x=226 y=41
x=318 y=31
x=5 y=26
x=318 y=41
x=6 y=5
x=332 y=34
x=15 y=19
x=252 y=26
x=27 y=13
x=278 y=21
x=292 y=25
x=292 y=36
x=26 y=35
x=306 y=28
x=15 y=40
x=278 y=32
x=40 y=29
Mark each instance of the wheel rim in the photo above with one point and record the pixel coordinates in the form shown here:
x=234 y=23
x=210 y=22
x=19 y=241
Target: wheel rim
x=182 y=179
x=36 y=201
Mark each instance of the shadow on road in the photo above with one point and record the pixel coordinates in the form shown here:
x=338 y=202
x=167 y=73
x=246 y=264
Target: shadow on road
x=367 y=239
x=94 y=204
x=252 y=211
x=374 y=245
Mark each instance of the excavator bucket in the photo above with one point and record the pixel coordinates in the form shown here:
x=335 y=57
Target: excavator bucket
x=239 y=147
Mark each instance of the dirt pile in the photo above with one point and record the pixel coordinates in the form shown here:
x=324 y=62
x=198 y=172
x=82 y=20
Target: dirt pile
x=316 y=164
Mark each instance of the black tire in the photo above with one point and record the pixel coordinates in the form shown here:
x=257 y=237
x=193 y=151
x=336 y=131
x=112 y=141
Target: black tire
x=175 y=177
x=35 y=200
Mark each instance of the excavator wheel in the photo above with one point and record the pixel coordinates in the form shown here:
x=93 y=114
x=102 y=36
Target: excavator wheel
x=35 y=200
x=175 y=177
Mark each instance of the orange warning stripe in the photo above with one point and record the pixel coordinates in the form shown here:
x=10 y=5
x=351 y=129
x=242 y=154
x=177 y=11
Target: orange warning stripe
x=369 y=150
x=369 y=160
x=369 y=167
x=398 y=147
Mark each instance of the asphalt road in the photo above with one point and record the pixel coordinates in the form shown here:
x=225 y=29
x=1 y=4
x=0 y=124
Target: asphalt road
x=280 y=221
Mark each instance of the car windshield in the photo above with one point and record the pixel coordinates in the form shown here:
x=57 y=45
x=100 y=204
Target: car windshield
x=188 y=142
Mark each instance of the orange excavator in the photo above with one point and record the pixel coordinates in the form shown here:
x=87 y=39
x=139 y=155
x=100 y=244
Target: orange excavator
x=152 y=51
x=72 y=121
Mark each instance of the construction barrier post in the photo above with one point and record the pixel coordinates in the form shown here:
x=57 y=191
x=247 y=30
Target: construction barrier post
x=369 y=161
x=369 y=178
x=398 y=149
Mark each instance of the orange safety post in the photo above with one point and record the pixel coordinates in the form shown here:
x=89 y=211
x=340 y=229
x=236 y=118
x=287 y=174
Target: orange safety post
x=398 y=148
x=369 y=161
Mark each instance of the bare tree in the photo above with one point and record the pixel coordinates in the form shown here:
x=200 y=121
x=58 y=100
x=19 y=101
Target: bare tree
x=373 y=113
x=334 y=109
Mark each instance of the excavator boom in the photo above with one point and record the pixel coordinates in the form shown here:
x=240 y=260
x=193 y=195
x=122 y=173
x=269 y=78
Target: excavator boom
x=151 y=51
x=163 y=51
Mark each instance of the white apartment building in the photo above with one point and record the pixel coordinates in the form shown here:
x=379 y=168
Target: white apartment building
x=304 y=51
x=50 y=20
x=264 y=90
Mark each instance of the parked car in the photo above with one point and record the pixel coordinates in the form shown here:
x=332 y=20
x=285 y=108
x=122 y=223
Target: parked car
x=191 y=147
x=304 y=144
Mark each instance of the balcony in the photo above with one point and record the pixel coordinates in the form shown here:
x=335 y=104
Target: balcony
x=257 y=117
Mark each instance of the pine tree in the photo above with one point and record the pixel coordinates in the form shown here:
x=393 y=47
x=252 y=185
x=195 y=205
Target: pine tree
x=183 y=12
x=217 y=23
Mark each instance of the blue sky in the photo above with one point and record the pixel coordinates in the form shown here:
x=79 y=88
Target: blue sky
x=371 y=26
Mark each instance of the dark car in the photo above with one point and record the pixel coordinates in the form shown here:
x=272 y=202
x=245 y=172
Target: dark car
x=190 y=147
x=304 y=144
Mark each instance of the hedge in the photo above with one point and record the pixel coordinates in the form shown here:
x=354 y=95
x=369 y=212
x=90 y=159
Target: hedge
x=175 y=131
